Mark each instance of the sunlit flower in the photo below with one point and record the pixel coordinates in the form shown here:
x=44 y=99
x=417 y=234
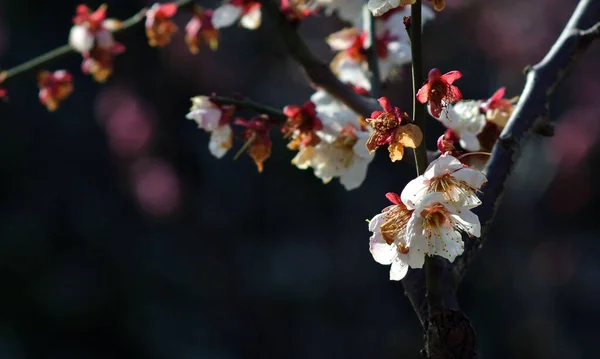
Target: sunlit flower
x=92 y=36
x=447 y=175
x=439 y=91
x=435 y=225
x=159 y=26
x=341 y=151
x=54 y=87
x=257 y=135
x=391 y=128
x=389 y=244
x=216 y=120
x=466 y=121
x=353 y=43
x=246 y=11
x=200 y=26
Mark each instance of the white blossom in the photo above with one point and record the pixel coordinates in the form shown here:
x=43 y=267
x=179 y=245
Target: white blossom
x=81 y=38
x=466 y=121
x=446 y=175
x=226 y=15
x=435 y=225
x=341 y=151
x=209 y=117
x=249 y=15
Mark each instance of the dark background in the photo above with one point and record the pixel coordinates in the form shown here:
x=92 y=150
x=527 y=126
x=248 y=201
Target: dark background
x=122 y=237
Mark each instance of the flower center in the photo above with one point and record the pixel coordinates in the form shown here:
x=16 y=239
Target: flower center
x=435 y=218
x=396 y=219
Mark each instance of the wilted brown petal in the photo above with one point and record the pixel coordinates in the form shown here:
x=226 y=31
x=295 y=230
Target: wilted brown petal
x=409 y=135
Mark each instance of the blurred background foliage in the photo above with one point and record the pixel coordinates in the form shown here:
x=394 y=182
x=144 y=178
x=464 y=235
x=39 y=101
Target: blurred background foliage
x=122 y=237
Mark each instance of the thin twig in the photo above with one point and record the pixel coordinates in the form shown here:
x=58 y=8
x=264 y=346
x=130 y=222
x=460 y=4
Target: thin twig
x=417 y=79
x=372 y=57
x=249 y=104
x=51 y=56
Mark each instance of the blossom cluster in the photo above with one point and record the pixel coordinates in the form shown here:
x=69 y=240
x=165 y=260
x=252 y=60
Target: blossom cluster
x=427 y=218
x=328 y=137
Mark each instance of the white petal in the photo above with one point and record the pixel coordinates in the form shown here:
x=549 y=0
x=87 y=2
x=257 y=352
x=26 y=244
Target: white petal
x=360 y=147
x=382 y=252
x=398 y=270
x=353 y=73
x=442 y=165
x=416 y=242
x=377 y=221
x=380 y=7
x=343 y=39
x=220 y=141
x=469 y=142
x=356 y=173
x=472 y=177
x=414 y=191
x=446 y=242
x=81 y=39
x=226 y=15
x=206 y=118
x=416 y=255
x=467 y=221
x=304 y=158
x=252 y=19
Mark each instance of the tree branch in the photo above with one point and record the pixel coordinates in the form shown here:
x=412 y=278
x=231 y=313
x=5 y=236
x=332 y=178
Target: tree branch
x=542 y=80
x=51 y=56
x=317 y=71
x=252 y=105
x=372 y=57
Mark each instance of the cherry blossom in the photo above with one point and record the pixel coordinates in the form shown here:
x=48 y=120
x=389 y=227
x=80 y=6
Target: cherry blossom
x=435 y=225
x=447 y=175
x=159 y=26
x=466 y=121
x=54 y=87
x=200 y=26
x=341 y=151
x=391 y=128
x=216 y=120
x=388 y=244
x=439 y=91
x=92 y=37
x=246 y=11
x=257 y=133
x=353 y=43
